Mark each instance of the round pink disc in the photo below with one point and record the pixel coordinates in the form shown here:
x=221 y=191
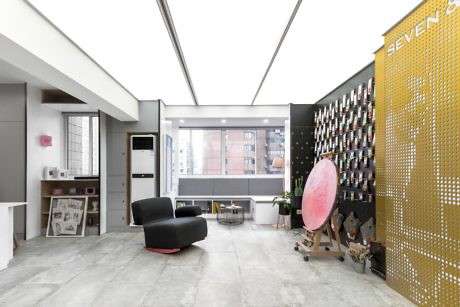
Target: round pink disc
x=319 y=195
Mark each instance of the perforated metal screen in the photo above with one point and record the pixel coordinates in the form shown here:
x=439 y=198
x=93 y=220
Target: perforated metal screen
x=418 y=126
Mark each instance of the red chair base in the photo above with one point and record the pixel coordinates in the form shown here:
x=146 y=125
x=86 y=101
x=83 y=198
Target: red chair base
x=164 y=250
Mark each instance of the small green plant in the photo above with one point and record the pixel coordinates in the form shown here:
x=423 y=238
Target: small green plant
x=298 y=191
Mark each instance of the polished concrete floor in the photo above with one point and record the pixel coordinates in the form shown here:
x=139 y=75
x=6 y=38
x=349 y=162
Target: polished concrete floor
x=244 y=265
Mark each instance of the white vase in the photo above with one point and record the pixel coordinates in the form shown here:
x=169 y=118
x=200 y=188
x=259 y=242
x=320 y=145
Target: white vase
x=95 y=205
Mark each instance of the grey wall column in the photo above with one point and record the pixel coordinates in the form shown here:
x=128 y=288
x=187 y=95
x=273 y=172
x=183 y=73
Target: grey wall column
x=13 y=149
x=117 y=159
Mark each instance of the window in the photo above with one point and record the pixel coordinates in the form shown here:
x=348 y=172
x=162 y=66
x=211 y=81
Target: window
x=237 y=157
x=269 y=145
x=248 y=147
x=230 y=151
x=82 y=152
x=200 y=151
x=248 y=135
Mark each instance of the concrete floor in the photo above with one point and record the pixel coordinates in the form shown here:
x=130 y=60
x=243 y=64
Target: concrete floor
x=244 y=265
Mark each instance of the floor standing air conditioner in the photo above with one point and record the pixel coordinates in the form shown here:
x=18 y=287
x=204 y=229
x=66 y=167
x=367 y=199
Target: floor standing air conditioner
x=143 y=166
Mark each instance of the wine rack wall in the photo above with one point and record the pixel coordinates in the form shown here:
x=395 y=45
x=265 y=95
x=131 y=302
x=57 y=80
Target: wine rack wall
x=345 y=126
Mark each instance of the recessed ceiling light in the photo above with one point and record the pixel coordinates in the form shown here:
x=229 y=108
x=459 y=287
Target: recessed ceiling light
x=181 y=121
x=223 y=121
x=265 y=121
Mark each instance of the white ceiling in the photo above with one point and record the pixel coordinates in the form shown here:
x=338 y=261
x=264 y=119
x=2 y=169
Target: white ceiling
x=228 y=45
x=128 y=39
x=328 y=42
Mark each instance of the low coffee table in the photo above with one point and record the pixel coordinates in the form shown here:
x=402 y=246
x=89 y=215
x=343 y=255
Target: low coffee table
x=230 y=215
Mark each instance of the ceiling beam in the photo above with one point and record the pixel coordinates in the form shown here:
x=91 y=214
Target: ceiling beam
x=286 y=30
x=168 y=20
x=40 y=49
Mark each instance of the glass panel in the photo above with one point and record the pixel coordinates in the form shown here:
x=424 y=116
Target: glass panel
x=95 y=145
x=200 y=152
x=206 y=152
x=240 y=152
x=83 y=145
x=78 y=145
x=269 y=145
x=247 y=151
x=185 y=152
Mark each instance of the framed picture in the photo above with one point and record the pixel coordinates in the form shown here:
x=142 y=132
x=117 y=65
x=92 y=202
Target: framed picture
x=63 y=174
x=67 y=216
x=168 y=161
x=50 y=173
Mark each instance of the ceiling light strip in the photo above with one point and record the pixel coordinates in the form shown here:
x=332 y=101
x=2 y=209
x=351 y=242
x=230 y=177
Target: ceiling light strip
x=166 y=13
x=286 y=30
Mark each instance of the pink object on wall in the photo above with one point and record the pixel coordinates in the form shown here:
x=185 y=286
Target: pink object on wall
x=319 y=195
x=46 y=140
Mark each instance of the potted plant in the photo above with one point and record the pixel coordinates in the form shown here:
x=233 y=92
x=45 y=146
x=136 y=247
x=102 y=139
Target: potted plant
x=283 y=200
x=296 y=199
x=358 y=254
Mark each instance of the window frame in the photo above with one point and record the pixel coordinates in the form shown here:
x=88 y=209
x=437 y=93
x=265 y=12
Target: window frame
x=223 y=149
x=91 y=115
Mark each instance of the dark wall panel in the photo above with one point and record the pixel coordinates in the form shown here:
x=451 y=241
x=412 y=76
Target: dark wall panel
x=265 y=186
x=191 y=186
x=229 y=186
x=235 y=186
x=302 y=148
x=13 y=149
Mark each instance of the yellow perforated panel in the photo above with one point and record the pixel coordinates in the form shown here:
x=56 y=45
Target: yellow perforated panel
x=419 y=190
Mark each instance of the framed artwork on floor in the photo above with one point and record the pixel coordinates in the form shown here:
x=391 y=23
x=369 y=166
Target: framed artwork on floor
x=67 y=216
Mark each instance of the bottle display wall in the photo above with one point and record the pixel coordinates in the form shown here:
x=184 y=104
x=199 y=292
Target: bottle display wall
x=345 y=126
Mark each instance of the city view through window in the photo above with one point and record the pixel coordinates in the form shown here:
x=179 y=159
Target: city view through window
x=231 y=151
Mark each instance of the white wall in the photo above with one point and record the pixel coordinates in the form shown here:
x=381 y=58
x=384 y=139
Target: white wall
x=40 y=120
x=166 y=128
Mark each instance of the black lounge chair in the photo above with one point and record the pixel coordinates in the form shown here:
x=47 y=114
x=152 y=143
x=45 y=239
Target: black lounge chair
x=165 y=233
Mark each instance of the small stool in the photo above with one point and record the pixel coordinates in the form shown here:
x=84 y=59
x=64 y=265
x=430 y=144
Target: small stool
x=285 y=221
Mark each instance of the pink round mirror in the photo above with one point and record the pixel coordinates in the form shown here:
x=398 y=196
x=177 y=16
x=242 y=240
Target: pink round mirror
x=319 y=196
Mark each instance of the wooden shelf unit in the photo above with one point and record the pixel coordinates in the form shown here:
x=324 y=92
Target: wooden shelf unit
x=47 y=187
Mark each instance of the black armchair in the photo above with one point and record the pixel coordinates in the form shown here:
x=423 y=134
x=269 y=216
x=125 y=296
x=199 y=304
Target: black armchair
x=164 y=233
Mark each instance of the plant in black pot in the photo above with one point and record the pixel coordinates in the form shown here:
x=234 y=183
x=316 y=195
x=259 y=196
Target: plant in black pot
x=296 y=199
x=283 y=200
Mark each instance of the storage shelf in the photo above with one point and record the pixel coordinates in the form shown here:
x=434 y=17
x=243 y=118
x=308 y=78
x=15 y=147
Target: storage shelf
x=73 y=195
x=66 y=185
x=88 y=212
x=70 y=180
